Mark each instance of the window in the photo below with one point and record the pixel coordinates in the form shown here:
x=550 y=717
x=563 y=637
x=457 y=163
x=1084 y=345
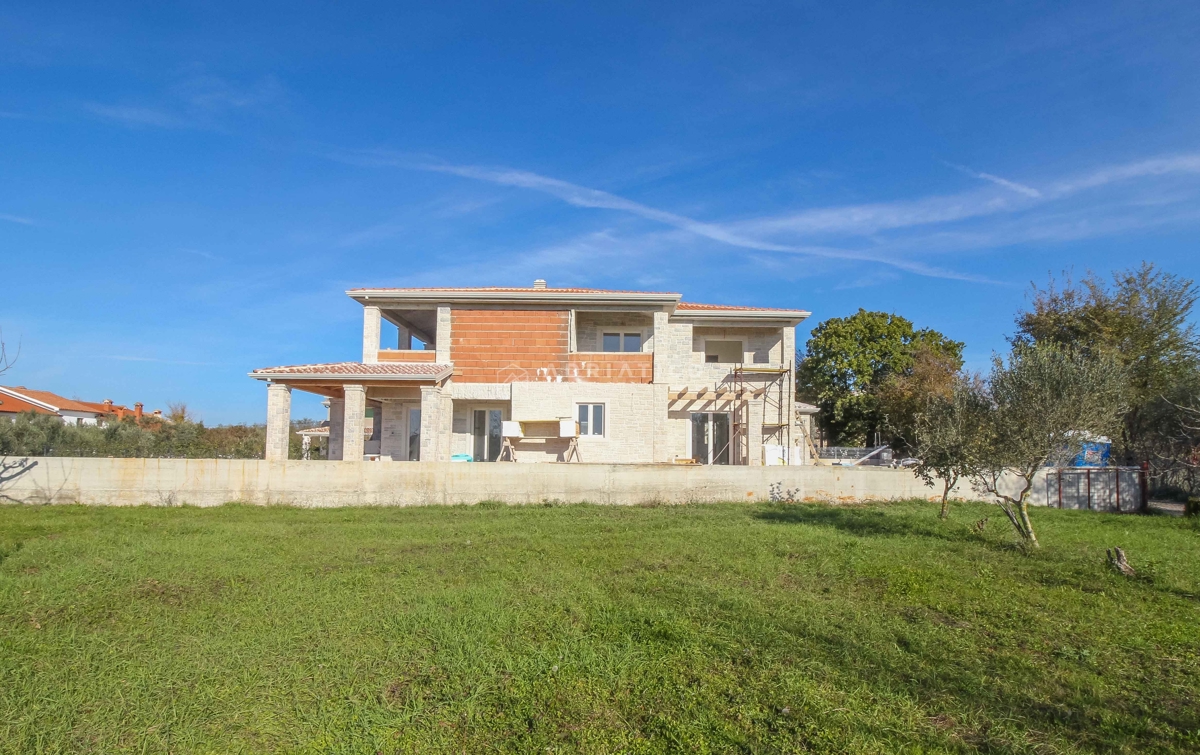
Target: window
x=414 y=434
x=591 y=419
x=622 y=342
x=723 y=352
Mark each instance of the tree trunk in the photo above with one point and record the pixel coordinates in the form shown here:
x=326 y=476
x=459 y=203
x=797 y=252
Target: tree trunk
x=1028 y=534
x=946 y=485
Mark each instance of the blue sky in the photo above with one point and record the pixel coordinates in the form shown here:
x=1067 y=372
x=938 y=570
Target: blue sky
x=186 y=191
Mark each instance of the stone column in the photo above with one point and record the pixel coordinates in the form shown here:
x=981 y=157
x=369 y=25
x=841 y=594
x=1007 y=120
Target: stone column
x=337 y=415
x=755 y=432
x=279 y=421
x=371 y=324
x=442 y=336
x=352 y=428
x=436 y=424
x=662 y=349
x=403 y=338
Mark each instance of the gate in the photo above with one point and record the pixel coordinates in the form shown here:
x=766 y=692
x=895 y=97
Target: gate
x=1117 y=489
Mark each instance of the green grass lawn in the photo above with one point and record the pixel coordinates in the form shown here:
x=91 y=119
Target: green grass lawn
x=704 y=628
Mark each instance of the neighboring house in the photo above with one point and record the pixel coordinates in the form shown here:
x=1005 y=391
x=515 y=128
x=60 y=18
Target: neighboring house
x=643 y=376
x=18 y=399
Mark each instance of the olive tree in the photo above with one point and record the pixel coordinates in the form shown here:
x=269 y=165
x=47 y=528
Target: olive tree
x=1043 y=404
x=949 y=435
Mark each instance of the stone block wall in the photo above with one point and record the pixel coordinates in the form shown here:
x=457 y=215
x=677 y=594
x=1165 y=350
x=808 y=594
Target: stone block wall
x=630 y=419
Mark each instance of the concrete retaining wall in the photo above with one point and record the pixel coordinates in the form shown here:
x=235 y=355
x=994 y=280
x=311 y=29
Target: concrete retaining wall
x=210 y=482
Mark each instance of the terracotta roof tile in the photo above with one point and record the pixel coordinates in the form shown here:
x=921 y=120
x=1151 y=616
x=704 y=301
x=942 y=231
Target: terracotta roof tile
x=11 y=405
x=411 y=370
x=53 y=399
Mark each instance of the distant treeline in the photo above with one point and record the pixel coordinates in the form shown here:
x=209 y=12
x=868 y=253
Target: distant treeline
x=47 y=435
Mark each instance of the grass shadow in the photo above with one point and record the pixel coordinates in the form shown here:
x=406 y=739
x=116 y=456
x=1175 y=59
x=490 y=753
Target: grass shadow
x=864 y=522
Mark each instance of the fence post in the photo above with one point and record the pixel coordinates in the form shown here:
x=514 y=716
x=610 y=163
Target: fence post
x=1117 y=472
x=1060 y=487
x=1089 y=487
x=1144 y=475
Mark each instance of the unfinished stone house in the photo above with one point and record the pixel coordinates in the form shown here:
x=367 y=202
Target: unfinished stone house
x=556 y=374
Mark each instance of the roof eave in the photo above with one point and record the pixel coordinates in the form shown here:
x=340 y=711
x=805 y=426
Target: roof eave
x=364 y=296
x=349 y=377
x=792 y=316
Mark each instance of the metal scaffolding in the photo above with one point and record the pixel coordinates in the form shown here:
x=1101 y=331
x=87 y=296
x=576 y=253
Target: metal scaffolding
x=775 y=386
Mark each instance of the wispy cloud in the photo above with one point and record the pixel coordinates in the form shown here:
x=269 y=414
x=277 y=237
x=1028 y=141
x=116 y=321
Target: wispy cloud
x=1159 y=166
x=899 y=234
x=16 y=219
x=204 y=254
x=196 y=101
x=123 y=358
x=1028 y=191
x=582 y=196
x=135 y=116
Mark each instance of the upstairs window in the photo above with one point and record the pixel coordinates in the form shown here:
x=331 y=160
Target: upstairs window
x=622 y=342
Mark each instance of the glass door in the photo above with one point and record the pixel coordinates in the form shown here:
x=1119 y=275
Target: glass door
x=720 y=439
x=414 y=434
x=700 y=437
x=710 y=437
x=485 y=430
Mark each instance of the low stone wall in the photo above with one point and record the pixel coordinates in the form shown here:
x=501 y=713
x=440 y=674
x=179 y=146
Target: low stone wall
x=211 y=482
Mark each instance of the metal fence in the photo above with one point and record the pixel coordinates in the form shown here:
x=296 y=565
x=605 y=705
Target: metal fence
x=883 y=456
x=1097 y=488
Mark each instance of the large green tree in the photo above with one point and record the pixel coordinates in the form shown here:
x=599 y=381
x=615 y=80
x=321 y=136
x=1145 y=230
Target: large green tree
x=1142 y=319
x=847 y=359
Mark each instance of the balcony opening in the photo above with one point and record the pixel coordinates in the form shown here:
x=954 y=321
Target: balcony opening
x=408 y=329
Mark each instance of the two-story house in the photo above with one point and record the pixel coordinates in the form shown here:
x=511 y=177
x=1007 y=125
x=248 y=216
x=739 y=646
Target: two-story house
x=644 y=376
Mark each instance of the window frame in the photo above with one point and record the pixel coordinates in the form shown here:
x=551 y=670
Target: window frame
x=622 y=335
x=586 y=425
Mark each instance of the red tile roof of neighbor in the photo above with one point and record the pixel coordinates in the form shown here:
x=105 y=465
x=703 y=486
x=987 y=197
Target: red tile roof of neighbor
x=409 y=370
x=53 y=399
x=11 y=405
x=60 y=402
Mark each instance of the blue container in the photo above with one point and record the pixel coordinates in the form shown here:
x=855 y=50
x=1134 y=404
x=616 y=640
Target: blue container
x=1093 y=454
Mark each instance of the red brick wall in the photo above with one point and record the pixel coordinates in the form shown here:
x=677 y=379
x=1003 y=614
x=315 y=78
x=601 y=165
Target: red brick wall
x=504 y=346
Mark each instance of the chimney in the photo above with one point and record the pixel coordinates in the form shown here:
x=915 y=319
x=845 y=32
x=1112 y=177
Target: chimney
x=539 y=283
x=137 y=410
x=108 y=406
x=158 y=413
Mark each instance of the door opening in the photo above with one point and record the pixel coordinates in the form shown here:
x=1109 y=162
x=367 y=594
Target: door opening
x=710 y=437
x=486 y=434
